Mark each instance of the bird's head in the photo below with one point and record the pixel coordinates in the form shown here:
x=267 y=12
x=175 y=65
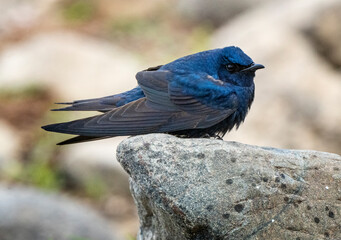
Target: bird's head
x=236 y=67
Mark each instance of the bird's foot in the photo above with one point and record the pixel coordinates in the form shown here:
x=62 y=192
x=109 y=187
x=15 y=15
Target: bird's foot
x=206 y=135
x=216 y=136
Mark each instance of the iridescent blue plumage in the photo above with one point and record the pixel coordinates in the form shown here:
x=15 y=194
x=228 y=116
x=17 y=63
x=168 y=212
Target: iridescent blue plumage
x=201 y=95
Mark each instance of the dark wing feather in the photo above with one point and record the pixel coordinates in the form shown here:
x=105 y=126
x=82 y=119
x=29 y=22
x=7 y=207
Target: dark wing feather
x=104 y=104
x=132 y=119
x=168 y=89
x=96 y=104
x=157 y=88
x=200 y=93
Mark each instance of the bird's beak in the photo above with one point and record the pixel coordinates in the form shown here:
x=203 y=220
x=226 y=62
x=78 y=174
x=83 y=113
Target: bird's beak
x=253 y=67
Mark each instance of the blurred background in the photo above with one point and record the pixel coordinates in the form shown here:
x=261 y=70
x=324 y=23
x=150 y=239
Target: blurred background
x=64 y=50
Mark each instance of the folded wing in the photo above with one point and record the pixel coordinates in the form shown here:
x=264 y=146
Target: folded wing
x=103 y=104
x=166 y=107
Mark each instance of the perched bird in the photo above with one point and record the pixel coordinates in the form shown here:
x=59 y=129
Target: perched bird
x=201 y=95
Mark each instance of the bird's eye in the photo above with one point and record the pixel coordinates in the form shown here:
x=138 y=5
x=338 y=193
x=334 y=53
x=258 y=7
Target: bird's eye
x=231 y=67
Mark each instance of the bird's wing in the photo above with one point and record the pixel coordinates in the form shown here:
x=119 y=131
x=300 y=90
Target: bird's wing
x=195 y=94
x=200 y=93
x=103 y=104
x=155 y=87
x=131 y=119
x=163 y=109
x=135 y=118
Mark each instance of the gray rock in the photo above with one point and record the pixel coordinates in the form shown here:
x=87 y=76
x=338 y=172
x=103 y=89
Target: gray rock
x=215 y=12
x=28 y=214
x=298 y=94
x=211 y=189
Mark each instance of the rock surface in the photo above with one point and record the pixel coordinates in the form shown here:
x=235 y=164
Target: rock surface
x=28 y=214
x=211 y=189
x=298 y=94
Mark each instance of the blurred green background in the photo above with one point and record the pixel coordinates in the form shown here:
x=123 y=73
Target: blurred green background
x=64 y=50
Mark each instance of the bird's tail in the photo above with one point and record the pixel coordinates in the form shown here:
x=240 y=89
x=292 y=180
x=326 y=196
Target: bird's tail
x=134 y=118
x=80 y=139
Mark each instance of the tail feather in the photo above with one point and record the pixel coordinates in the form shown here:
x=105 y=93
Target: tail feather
x=81 y=139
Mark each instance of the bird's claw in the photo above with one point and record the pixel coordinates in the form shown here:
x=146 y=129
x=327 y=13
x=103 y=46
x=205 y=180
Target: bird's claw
x=206 y=135
x=217 y=137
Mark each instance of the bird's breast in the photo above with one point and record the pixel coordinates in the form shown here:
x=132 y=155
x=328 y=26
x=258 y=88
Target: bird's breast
x=245 y=99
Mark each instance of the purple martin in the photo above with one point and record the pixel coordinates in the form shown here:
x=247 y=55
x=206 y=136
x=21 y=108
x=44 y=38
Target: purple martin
x=202 y=95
